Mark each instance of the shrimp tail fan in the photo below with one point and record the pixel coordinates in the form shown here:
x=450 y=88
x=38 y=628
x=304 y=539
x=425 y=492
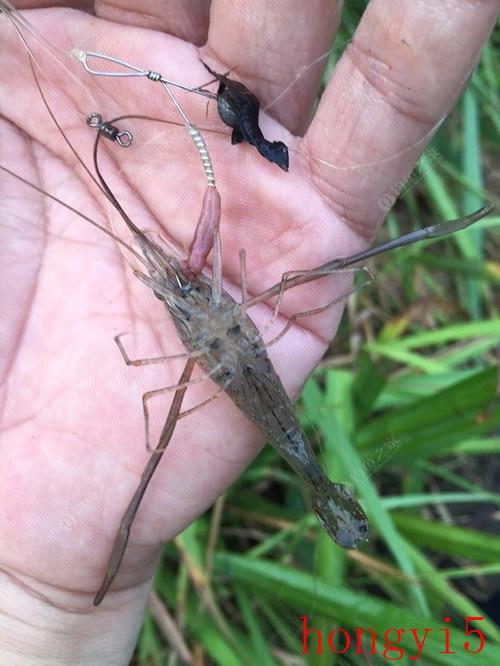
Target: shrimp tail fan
x=340 y=513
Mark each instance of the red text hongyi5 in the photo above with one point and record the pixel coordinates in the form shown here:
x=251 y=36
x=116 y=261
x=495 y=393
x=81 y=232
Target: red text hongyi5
x=366 y=641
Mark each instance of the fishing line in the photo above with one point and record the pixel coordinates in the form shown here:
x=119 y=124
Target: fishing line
x=19 y=22
x=303 y=71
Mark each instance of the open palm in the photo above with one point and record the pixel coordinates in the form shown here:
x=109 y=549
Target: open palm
x=72 y=435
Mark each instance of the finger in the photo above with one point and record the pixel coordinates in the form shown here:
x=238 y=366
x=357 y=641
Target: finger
x=269 y=41
x=403 y=72
x=187 y=19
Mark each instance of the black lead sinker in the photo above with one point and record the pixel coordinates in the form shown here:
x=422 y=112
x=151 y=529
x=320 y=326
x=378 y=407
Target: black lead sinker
x=239 y=108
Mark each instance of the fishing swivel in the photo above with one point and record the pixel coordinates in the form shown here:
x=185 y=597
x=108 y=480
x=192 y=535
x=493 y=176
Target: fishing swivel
x=123 y=138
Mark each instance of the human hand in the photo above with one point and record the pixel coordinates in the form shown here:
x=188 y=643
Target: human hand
x=71 y=423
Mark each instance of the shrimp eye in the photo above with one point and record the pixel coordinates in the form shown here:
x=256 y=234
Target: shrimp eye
x=215 y=344
x=234 y=330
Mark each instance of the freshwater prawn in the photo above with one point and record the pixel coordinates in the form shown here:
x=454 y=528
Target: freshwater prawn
x=225 y=342
x=228 y=346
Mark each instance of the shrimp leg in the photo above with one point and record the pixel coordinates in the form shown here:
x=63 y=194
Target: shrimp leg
x=150 y=361
x=123 y=532
x=296 y=278
x=156 y=392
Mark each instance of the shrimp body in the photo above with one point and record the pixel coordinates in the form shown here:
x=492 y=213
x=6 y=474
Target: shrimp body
x=239 y=108
x=236 y=359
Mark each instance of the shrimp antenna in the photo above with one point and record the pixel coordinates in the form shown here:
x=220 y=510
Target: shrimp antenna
x=20 y=24
x=59 y=128
x=77 y=212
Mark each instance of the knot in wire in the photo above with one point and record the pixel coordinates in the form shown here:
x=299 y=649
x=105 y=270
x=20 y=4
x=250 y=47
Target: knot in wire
x=153 y=76
x=123 y=138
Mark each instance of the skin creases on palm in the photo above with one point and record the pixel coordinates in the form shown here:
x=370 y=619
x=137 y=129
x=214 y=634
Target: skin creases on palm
x=72 y=429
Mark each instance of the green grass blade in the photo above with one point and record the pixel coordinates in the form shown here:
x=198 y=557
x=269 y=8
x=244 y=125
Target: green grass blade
x=411 y=359
x=450 y=539
x=434 y=423
x=471 y=163
x=424 y=499
x=259 y=645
